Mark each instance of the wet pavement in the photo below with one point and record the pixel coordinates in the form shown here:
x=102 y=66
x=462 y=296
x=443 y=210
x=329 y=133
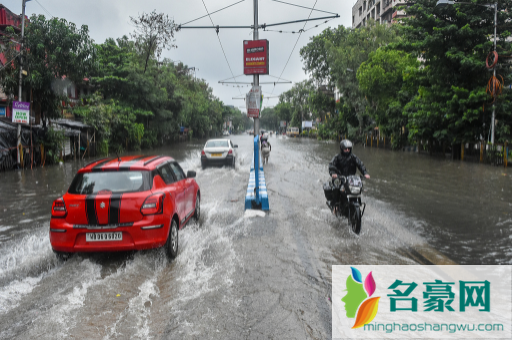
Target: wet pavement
x=245 y=275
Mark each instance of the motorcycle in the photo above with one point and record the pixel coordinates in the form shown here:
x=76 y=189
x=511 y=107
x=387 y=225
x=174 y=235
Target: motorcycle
x=343 y=196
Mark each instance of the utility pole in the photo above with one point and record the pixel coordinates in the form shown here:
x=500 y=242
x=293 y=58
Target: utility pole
x=256 y=77
x=21 y=74
x=494 y=72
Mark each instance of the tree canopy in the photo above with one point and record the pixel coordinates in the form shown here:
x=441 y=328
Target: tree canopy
x=333 y=58
x=453 y=42
x=134 y=99
x=425 y=75
x=55 y=53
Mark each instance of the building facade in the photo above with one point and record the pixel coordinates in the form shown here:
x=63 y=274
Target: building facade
x=7 y=19
x=382 y=11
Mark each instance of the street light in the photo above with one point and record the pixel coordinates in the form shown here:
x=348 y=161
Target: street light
x=444 y=3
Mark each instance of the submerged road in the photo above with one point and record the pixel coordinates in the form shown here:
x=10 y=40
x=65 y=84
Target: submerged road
x=245 y=274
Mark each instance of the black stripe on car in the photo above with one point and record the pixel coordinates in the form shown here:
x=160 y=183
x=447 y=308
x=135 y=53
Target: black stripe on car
x=90 y=209
x=153 y=159
x=114 y=209
x=97 y=167
x=96 y=161
x=126 y=165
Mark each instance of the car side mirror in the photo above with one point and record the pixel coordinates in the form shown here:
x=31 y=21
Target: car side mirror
x=191 y=174
x=235 y=146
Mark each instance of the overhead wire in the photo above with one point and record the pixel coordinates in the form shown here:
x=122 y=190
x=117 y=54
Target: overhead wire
x=299 y=31
x=45 y=9
x=316 y=10
x=300 y=34
x=9 y=62
x=212 y=12
x=222 y=47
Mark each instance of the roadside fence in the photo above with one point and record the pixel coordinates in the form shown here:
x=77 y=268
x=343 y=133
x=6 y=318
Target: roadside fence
x=498 y=154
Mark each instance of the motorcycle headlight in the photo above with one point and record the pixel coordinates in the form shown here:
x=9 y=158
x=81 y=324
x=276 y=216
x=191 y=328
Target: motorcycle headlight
x=355 y=190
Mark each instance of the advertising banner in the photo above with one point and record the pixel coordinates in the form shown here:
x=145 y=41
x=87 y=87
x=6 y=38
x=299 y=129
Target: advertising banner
x=405 y=302
x=282 y=123
x=256 y=57
x=253 y=102
x=20 y=112
x=3 y=111
x=307 y=124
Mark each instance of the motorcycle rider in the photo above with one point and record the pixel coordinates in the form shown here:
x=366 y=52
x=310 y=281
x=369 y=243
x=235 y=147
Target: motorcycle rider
x=345 y=164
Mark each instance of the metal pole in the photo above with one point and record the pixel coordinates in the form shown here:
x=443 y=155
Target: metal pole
x=256 y=77
x=494 y=72
x=21 y=74
x=256 y=81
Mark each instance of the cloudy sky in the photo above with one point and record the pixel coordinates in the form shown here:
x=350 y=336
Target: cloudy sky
x=200 y=48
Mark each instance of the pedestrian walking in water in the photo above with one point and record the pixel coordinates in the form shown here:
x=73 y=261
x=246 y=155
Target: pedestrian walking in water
x=265 y=149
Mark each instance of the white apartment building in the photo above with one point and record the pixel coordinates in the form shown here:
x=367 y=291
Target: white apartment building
x=383 y=11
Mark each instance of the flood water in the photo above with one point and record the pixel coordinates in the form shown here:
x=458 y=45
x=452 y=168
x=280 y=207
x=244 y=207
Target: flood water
x=245 y=274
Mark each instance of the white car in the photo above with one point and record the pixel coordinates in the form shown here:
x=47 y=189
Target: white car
x=218 y=152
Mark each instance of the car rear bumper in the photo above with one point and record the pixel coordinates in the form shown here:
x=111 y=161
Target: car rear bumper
x=71 y=238
x=228 y=160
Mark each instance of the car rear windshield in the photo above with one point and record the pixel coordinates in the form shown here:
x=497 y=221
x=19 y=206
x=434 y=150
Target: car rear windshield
x=114 y=181
x=217 y=144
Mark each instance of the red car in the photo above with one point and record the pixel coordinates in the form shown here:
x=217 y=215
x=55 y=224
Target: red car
x=125 y=203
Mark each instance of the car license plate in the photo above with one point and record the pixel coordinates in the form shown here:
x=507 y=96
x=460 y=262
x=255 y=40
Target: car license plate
x=93 y=237
x=216 y=154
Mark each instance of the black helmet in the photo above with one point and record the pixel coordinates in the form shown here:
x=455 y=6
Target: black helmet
x=345 y=144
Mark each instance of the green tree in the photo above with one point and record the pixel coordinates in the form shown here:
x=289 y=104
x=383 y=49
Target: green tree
x=56 y=53
x=298 y=99
x=115 y=123
x=381 y=79
x=315 y=55
x=269 y=119
x=321 y=104
x=153 y=33
x=345 y=49
x=284 y=111
x=451 y=104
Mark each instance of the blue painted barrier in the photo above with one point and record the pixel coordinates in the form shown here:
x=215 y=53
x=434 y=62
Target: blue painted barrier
x=256 y=196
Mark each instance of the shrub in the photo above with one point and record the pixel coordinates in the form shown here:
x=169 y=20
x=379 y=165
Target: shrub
x=52 y=142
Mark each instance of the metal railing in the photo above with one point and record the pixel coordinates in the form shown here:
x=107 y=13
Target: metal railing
x=495 y=154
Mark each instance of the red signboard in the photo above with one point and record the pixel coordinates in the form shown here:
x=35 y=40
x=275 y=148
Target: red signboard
x=256 y=57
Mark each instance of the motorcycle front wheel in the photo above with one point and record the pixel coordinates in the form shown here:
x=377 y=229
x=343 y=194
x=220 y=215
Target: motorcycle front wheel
x=355 y=219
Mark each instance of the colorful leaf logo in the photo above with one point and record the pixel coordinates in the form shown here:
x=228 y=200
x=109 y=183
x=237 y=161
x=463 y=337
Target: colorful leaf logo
x=356 y=275
x=369 y=284
x=366 y=312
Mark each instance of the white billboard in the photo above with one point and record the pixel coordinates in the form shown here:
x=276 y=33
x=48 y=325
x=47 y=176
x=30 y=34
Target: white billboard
x=307 y=124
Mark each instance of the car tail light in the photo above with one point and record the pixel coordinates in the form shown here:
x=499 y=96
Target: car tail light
x=230 y=152
x=153 y=205
x=59 y=208
x=203 y=153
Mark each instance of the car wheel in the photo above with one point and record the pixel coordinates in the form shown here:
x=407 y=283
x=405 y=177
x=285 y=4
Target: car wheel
x=233 y=165
x=197 y=212
x=203 y=165
x=62 y=256
x=171 y=246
